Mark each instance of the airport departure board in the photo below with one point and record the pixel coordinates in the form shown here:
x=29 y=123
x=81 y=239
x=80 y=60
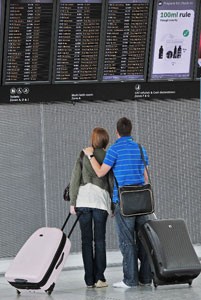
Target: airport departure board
x=78 y=40
x=65 y=41
x=28 y=41
x=74 y=50
x=126 y=39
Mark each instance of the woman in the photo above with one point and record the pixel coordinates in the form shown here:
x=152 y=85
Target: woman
x=91 y=196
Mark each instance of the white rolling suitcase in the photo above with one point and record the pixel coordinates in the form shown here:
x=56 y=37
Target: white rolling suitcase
x=39 y=262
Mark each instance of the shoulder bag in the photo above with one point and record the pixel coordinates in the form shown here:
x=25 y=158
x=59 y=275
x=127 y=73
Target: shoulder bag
x=136 y=200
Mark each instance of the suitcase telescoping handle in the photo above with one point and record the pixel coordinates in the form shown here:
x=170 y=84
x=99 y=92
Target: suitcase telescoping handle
x=74 y=224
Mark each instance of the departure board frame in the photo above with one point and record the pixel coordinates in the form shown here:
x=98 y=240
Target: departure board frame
x=2 y=9
x=78 y=41
x=124 y=24
x=165 y=56
x=32 y=57
x=76 y=91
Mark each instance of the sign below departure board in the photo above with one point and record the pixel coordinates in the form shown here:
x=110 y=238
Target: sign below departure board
x=78 y=39
x=28 y=41
x=126 y=40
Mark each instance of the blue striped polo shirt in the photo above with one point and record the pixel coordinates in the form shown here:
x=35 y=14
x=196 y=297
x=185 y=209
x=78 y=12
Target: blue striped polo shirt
x=125 y=159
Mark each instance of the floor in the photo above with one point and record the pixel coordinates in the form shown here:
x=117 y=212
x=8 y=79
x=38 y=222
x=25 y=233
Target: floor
x=70 y=285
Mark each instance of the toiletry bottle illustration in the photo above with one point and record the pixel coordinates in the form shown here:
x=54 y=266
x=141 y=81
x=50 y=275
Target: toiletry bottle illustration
x=179 y=52
x=175 y=52
x=160 y=55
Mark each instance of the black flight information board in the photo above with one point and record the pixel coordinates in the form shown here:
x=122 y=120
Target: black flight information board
x=126 y=39
x=78 y=40
x=29 y=39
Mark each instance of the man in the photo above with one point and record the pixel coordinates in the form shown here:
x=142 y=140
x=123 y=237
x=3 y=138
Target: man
x=124 y=158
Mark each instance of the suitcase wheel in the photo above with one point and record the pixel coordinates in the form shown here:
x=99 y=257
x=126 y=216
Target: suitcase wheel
x=50 y=290
x=190 y=282
x=18 y=292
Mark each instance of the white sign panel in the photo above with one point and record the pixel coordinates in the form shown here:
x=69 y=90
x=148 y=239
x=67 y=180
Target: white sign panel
x=173 y=39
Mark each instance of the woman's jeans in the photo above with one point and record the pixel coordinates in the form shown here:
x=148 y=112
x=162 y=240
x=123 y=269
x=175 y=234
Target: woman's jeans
x=93 y=229
x=132 y=249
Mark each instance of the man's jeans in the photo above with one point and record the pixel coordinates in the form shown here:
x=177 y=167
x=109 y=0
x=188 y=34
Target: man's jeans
x=93 y=228
x=132 y=249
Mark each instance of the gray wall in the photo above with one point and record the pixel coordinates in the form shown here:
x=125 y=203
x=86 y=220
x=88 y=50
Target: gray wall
x=39 y=145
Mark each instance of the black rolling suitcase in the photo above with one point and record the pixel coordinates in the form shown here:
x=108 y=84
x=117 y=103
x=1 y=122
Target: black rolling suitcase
x=172 y=257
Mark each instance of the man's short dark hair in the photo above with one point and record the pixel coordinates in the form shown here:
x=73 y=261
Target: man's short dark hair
x=124 y=127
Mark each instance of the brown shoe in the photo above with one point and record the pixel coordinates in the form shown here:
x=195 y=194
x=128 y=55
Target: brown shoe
x=101 y=284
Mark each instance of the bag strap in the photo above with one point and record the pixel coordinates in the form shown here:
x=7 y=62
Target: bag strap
x=81 y=158
x=142 y=155
x=81 y=163
x=116 y=182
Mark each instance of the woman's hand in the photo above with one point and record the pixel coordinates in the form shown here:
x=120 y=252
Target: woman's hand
x=88 y=151
x=72 y=210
